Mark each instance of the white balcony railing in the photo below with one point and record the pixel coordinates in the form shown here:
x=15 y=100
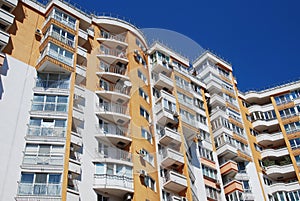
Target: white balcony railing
x=60 y=38
x=33 y=159
x=55 y=55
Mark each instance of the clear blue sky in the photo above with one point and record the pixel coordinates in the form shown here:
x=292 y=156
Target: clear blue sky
x=261 y=39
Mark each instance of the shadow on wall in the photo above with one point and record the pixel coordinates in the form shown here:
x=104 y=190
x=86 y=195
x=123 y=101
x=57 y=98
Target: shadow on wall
x=3 y=72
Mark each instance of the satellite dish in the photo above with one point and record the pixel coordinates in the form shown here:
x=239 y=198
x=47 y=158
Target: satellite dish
x=127 y=84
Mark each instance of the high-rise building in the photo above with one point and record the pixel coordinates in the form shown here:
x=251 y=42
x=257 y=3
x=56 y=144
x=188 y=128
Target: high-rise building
x=90 y=111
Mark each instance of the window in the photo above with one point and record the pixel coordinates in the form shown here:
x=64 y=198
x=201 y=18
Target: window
x=199 y=103
x=209 y=172
x=212 y=193
x=61 y=35
x=58 y=53
x=50 y=80
x=147 y=135
x=139 y=43
x=142 y=76
x=205 y=135
x=144 y=95
x=40 y=184
x=297 y=158
x=184 y=99
x=288 y=112
x=200 y=118
x=113 y=169
x=205 y=153
x=148 y=157
x=169 y=105
x=149 y=182
x=102 y=198
x=43 y=102
x=63 y=18
x=292 y=127
x=47 y=127
x=144 y=113
x=43 y=154
x=295 y=143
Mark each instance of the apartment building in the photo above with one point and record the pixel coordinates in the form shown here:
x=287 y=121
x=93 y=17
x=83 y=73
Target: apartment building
x=91 y=111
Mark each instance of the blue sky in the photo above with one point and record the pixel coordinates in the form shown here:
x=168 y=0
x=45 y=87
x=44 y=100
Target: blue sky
x=259 y=38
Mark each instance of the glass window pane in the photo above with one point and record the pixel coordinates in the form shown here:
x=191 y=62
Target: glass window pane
x=27 y=178
x=54 y=178
x=40 y=178
x=62 y=99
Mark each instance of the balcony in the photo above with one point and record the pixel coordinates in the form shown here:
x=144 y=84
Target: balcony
x=175 y=182
x=113 y=73
x=288 y=187
x=81 y=51
x=46 y=133
x=49 y=109
x=66 y=41
x=218 y=112
x=52 y=86
x=51 y=60
x=264 y=124
x=160 y=66
x=113 y=41
x=115 y=92
x=39 y=189
x=76 y=138
x=117 y=135
x=275 y=171
x=53 y=161
x=116 y=185
x=61 y=20
x=74 y=166
x=233 y=185
x=114 y=155
x=213 y=84
x=111 y=56
x=170 y=157
x=4 y=37
x=161 y=81
x=229 y=168
x=274 y=152
x=81 y=70
x=112 y=112
x=6 y=17
x=83 y=34
x=264 y=139
x=79 y=91
x=169 y=137
x=217 y=100
x=165 y=116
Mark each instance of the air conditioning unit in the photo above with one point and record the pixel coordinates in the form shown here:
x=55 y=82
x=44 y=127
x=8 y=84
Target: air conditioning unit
x=144 y=49
x=199 y=137
x=143 y=173
x=143 y=152
x=175 y=114
x=38 y=32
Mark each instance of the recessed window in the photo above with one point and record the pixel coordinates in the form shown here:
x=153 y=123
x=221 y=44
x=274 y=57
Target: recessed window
x=147 y=135
x=144 y=95
x=144 y=113
x=142 y=76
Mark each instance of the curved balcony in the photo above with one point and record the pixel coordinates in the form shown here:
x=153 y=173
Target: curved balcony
x=115 y=93
x=117 y=135
x=274 y=152
x=265 y=139
x=113 y=74
x=111 y=56
x=276 y=171
x=113 y=112
x=288 y=187
x=260 y=108
x=116 y=185
x=264 y=124
x=113 y=40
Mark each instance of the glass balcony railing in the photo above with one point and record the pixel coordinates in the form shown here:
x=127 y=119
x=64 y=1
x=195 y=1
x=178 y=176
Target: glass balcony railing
x=59 y=18
x=39 y=189
x=55 y=55
x=52 y=84
x=46 y=131
x=115 y=153
x=118 y=88
x=60 y=38
x=113 y=129
x=120 y=37
x=49 y=106
x=112 y=52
